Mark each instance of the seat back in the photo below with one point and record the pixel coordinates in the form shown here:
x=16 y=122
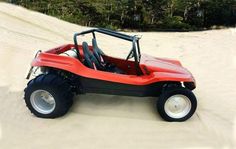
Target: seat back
x=97 y=51
x=90 y=60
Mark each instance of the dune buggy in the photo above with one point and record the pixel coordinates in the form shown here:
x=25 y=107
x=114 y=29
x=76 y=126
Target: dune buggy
x=73 y=69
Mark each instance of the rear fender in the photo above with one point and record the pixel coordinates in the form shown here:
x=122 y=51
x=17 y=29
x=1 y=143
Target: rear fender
x=56 y=61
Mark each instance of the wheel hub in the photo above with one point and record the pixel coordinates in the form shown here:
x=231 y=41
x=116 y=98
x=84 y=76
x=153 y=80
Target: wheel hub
x=177 y=106
x=42 y=101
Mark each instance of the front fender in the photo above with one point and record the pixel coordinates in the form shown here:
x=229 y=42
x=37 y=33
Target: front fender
x=186 y=78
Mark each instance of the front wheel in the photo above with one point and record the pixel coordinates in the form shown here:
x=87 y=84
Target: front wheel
x=48 y=96
x=176 y=104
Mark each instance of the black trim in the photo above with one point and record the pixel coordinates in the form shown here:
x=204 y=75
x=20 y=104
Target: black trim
x=189 y=85
x=139 y=53
x=106 y=87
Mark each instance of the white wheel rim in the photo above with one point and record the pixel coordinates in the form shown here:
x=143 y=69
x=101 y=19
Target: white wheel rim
x=177 y=106
x=42 y=101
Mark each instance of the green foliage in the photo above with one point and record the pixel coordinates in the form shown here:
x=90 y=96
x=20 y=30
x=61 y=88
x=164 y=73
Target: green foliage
x=175 y=22
x=139 y=14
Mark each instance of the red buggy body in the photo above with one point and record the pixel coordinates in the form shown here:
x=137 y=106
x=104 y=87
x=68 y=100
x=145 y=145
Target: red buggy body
x=145 y=76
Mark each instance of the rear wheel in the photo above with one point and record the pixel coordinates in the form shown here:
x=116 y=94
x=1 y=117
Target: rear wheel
x=176 y=104
x=48 y=96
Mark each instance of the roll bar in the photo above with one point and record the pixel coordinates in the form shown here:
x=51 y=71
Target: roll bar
x=133 y=39
x=107 y=32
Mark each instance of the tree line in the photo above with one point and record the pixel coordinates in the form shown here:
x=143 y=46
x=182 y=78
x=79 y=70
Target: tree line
x=139 y=14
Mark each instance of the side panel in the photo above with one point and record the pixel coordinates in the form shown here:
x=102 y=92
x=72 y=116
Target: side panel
x=127 y=66
x=106 y=87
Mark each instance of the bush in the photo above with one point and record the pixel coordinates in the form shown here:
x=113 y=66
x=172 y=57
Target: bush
x=175 y=22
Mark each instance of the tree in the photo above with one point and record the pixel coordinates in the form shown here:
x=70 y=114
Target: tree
x=139 y=14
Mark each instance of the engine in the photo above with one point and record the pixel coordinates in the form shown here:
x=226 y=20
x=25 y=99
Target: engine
x=71 y=53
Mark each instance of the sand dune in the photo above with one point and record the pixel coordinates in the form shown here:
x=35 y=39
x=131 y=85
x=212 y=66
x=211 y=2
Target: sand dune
x=106 y=121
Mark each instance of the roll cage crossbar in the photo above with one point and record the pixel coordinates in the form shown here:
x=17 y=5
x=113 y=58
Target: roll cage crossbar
x=135 y=50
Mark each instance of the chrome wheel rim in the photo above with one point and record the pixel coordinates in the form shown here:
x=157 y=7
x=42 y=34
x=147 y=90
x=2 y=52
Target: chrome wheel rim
x=177 y=106
x=42 y=101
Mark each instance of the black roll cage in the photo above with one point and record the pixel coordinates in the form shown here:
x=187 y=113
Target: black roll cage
x=134 y=39
x=135 y=50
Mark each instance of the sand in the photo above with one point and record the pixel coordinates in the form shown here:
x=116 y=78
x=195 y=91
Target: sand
x=119 y=122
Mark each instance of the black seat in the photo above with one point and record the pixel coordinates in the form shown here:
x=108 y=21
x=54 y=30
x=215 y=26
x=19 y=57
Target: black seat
x=97 y=51
x=89 y=59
